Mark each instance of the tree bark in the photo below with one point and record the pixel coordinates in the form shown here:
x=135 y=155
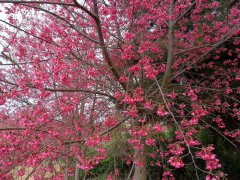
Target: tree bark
x=170 y=56
x=77 y=170
x=77 y=173
x=140 y=172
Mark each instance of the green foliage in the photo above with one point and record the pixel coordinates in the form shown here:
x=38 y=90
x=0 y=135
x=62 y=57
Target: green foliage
x=205 y=136
x=104 y=168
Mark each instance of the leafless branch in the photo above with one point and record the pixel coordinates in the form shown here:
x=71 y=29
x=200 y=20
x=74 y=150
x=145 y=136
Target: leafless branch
x=176 y=123
x=5 y=56
x=114 y=127
x=104 y=48
x=12 y=129
x=69 y=24
x=187 y=11
x=8 y=82
x=94 y=16
x=34 y=169
x=194 y=48
x=36 y=2
x=64 y=90
x=220 y=133
x=18 y=28
x=215 y=46
x=80 y=90
x=101 y=134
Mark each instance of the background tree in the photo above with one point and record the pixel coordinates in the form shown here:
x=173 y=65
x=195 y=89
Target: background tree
x=160 y=73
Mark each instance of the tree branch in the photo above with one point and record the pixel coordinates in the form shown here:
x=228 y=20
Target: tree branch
x=18 y=28
x=178 y=126
x=5 y=56
x=187 y=11
x=12 y=129
x=193 y=48
x=80 y=90
x=101 y=134
x=170 y=55
x=36 y=2
x=216 y=45
x=64 y=90
x=94 y=16
x=8 y=82
x=69 y=24
x=114 y=127
x=104 y=49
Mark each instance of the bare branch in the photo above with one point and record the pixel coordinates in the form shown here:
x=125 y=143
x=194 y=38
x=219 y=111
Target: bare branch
x=18 y=28
x=37 y=2
x=8 y=82
x=176 y=123
x=63 y=90
x=94 y=16
x=216 y=130
x=104 y=49
x=194 y=48
x=215 y=46
x=114 y=127
x=80 y=90
x=69 y=24
x=101 y=134
x=5 y=56
x=12 y=129
x=187 y=11
x=34 y=169
x=20 y=63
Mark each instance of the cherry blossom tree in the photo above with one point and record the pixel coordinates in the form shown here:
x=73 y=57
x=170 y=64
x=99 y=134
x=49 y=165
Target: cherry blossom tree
x=157 y=73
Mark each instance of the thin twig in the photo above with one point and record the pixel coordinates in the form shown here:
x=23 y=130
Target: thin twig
x=187 y=11
x=12 y=129
x=171 y=113
x=36 y=2
x=18 y=28
x=130 y=173
x=191 y=49
x=216 y=45
x=93 y=15
x=114 y=127
x=69 y=24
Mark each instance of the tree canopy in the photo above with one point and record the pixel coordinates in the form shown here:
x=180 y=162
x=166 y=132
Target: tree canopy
x=152 y=83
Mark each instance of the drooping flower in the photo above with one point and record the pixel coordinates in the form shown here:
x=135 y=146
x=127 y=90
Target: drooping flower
x=176 y=161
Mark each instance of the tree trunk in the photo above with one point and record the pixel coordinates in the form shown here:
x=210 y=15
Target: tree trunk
x=170 y=56
x=140 y=172
x=77 y=170
x=77 y=173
